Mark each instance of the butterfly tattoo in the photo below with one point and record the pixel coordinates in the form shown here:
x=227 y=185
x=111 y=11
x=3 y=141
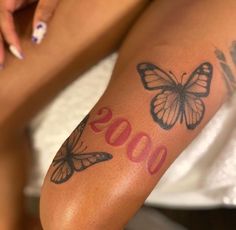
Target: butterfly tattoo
x=177 y=100
x=227 y=73
x=71 y=157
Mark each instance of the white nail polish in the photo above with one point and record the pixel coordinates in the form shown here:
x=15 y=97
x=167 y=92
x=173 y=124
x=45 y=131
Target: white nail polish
x=39 y=32
x=16 y=52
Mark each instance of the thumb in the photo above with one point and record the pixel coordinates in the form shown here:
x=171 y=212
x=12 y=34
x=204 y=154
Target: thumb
x=43 y=14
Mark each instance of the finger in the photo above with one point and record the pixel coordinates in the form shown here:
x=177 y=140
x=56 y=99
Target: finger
x=8 y=30
x=43 y=14
x=1 y=52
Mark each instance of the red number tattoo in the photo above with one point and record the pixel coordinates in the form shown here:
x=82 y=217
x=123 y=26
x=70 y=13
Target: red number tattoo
x=140 y=141
x=152 y=168
x=139 y=147
x=105 y=116
x=118 y=132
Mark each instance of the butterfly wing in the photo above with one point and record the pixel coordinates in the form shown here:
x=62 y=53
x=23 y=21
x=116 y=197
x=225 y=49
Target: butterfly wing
x=77 y=133
x=197 y=86
x=62 y=172
x=200 y=80
x=166 y=108
x=194 y=110
x=62 y=153
x=83 y=161
x=63 y=169
x=154 y=78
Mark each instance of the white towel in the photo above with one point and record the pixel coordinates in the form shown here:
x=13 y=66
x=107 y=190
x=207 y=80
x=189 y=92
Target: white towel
x=203 y=175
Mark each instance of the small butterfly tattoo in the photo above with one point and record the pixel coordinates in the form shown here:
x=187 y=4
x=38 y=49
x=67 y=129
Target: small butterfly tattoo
x=177 y=100
x=71 y=157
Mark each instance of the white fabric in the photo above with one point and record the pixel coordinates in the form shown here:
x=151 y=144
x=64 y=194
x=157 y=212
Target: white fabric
x=203 y=175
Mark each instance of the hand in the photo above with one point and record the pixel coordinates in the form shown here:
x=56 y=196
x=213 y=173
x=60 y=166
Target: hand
x=42 y=16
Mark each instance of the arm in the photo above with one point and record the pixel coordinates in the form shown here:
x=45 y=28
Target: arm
x=146 y=117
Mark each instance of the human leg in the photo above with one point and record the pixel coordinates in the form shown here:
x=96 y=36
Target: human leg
x=146 y=117
x=72 y=46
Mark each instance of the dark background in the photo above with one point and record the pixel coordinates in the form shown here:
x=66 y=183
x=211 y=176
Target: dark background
x=207 y=219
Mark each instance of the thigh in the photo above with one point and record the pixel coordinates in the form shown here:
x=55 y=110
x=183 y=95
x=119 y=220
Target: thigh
x=71 y=46
x=166 y=85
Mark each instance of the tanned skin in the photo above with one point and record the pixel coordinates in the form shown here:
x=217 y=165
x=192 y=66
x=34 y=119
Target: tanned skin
x=72 y=45
x=166 y=85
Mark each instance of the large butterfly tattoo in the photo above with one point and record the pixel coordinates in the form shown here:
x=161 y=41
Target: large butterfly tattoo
x=71 y=157
x=177 y=100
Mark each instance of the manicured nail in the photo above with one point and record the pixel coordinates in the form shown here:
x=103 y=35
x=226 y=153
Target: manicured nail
x=39 y=32
x=16 y=52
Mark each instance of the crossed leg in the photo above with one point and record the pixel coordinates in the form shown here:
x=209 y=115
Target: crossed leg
x=73 y=44
x=166 y=85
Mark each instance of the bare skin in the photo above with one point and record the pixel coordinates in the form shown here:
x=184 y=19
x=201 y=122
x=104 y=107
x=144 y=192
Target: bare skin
x=42 y=16
x=27 y=86
x=103 y=185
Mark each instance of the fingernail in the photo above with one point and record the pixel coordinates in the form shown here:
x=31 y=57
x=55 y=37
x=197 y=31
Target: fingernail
x=16 y=52
x=39 y=32
x=1 y=66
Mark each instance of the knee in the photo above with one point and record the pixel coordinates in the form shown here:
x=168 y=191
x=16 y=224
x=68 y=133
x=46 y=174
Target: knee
x=60 y=210
x=54 y=211
x=71 y=208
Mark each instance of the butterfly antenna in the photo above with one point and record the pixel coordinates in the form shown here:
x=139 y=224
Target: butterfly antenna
x=182 y=118
x=83 y=149
x=81 y=143
x=173 y=75
x=182 y=77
